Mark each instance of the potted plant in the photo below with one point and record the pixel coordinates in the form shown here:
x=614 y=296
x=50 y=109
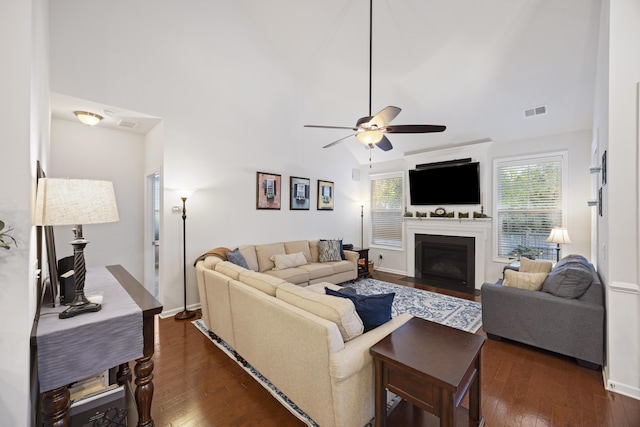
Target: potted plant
x=5 y=237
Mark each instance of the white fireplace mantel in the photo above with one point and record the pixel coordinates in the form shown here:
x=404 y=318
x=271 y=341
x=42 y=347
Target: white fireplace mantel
x=477 y=228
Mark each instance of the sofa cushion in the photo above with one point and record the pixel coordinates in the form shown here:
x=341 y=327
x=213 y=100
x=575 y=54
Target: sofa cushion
x=374 y=310
x=570 y=278
x=533 y=266
x=329 y=250
x=317 y=270
x=249 y=254
x=237 y=258
x=230 y=269
x=341 y=312
x=211 y=261
x=313 y=248
x=283 y=261
x=341 y=266
x=265 y=252
x=295 y=275
x=262 y=282
x=523 y=280
x=299 y=246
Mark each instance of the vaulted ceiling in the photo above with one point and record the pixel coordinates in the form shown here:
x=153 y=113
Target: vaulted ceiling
x=471 y=65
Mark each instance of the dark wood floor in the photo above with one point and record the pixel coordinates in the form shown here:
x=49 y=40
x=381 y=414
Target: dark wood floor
x=196 y=384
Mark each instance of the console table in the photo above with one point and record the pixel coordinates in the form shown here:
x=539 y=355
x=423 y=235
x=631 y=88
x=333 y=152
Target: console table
x=432 y=367
x=54 y=403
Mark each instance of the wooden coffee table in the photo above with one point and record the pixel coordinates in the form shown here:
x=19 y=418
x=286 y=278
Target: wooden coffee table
x=431 y=367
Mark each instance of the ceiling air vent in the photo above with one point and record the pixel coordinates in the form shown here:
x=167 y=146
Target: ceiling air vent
x=126 y=124
x=535 y=111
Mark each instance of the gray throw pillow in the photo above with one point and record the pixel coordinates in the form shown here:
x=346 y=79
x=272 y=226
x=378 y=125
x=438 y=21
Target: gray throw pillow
x=570 y=278
x=237 y=258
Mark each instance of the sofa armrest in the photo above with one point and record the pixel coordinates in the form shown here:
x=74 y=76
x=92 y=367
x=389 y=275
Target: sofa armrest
x=355 y=354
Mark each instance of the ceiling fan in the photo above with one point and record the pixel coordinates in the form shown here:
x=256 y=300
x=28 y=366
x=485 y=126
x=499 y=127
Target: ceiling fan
x=370 y=130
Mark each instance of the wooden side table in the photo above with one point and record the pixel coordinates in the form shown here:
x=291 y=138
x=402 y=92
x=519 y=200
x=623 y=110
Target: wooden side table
x=363 y=269
x=430 y=366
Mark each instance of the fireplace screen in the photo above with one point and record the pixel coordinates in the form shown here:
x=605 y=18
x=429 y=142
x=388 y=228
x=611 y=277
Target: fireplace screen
x=446 y=260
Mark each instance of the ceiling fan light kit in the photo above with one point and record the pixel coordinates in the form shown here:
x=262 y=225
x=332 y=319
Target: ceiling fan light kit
x=371 y=130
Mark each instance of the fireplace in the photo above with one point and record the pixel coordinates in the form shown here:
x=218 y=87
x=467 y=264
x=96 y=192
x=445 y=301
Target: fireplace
x=477 y=229
x=446 y=261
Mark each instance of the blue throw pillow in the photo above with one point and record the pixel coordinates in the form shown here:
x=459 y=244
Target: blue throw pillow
x=374 y=310
x=237 y=258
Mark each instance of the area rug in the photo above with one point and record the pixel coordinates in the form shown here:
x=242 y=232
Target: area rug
x=444 y=309
x=451 y=311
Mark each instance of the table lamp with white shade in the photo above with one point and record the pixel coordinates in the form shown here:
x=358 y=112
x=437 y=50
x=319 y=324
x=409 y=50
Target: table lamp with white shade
x=559 y=236
x=77 y=202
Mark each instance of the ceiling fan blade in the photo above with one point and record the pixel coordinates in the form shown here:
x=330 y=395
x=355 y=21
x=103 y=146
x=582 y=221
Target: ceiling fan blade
x=384 y=144
x=415 y=128
x=385 y=116
x=337 y=141
x=331 y=127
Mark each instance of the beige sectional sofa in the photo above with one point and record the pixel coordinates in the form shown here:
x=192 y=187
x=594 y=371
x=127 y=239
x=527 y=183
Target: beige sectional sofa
x=310 y=345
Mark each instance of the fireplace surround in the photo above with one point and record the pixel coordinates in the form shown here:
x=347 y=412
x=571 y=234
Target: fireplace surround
x=477 y=228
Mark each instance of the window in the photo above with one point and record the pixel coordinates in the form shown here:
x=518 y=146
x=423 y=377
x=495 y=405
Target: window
x=386 y=209
x=529 y=203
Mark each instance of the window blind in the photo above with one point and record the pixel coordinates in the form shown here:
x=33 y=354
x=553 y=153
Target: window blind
x=529 y=205
x=386 y=209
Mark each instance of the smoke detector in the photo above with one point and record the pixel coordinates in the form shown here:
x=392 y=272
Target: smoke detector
x=535 y=111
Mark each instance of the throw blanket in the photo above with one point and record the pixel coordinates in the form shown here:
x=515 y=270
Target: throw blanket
x=219 y=252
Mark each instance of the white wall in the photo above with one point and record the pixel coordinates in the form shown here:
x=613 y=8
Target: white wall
x=579 y=215
x=24 y=118
x=617 y=117
x=83 y=152
x=229 y=109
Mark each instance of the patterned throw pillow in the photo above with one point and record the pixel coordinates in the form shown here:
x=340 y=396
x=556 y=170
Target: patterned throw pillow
x=329 y=250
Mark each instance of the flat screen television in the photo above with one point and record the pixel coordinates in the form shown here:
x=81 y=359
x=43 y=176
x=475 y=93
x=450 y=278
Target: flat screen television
x=448 y=184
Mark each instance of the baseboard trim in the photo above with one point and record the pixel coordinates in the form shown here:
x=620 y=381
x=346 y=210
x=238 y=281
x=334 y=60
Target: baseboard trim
x=390 y=270
x=623 y=389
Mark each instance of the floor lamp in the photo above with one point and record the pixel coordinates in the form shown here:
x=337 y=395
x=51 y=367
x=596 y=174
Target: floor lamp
x=361 y=225
x=558 y=235
x=185 y=314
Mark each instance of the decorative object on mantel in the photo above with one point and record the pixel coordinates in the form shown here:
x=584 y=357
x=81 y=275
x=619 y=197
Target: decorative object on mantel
x=184 y=314
x=463 y=214
x=408 y=214
x=5 y=237
x=439 y=213
x=559 y=235
x=61 y=201
x=450 y=215
x=421 y=214
x=480 y=215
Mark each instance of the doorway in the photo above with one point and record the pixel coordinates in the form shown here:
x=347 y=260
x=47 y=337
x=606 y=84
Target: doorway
x=152 y=264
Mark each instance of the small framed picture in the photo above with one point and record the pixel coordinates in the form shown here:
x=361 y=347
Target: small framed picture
x=325 y=195
x=300 y=193
x=269 y=189
x=600 y=201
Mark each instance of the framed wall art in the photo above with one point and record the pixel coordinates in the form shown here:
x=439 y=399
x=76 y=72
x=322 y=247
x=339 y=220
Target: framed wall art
x=603 y=167
x=325 y=195
x=269 y=189
x=300 y=192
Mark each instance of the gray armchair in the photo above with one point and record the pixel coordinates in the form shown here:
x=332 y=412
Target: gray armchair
x=567 y=316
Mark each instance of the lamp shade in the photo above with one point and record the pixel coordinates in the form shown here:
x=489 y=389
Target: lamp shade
x=186 y=192
x=559 y=235
x=61 y=201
